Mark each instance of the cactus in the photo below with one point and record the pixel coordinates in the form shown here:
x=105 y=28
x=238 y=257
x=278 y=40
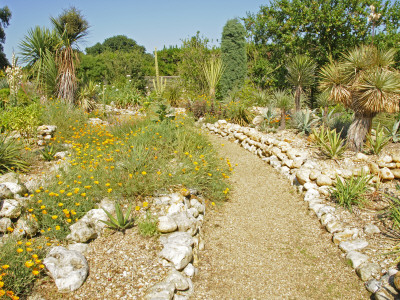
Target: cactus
x=160 y=83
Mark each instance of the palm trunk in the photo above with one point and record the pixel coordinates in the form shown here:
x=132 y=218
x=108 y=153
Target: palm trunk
x=282 y=124
x=297 y=95
x=358 y=130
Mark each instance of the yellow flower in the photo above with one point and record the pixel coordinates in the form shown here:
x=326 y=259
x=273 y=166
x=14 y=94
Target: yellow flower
x=137 y=208
x=60 y=204
x=29 y=249
x=5 y=267
x=44 y=212
x=83 y=194
x=109 y=190
x=96 y=182
x=43 y=207
x=144 y=173
x=41 y=266
x=28 y=243
x=69 y=220
x=34 y=256
x=58 y=227
x=54 y=217
x=29 y=263
x=35 y=272
x=107 y=184
x=77 y=204
x=130 y=175
x=10 y=229
x=19 y=250
x=69 y=194
x=145 y=204
x=62 y=191
x=213 y=203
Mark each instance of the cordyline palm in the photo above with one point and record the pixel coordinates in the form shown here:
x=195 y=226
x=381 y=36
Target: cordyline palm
x=37 y=51
x=301 y=70
x=70 y=27
x=363 y=81
x=283 y=100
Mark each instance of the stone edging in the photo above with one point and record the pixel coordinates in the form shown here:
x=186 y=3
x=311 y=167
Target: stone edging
x=301 y=171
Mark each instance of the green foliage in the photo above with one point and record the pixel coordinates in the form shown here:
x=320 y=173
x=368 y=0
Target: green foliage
x=19 y=277
x=121 y=222
x=158 y=83
x=116 y=43
x=304 y=121
x=194 y=52
x=329 y=142
x=11 y=158
x=394 y=210
x=123 y=96
x=148 y=225
x=380 y=140
x=48 y=152
x=173 y=93
x=349 y=192
x=233 y=54
x=24 y=119
x=394 y=133
x=87 y=97
x=213 y=71
x=168 y=60
x=237 y=112
x=164 y=112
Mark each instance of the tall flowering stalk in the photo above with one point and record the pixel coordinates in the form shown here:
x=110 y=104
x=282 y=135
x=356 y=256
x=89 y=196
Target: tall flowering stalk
x=14 y=79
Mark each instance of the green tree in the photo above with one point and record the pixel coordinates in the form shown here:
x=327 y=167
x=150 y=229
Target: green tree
x=283 y=100
x=116 y=43
x=5 y=16
x=71 y=27
x=168 y=60
x=233 y=54
x=300 y=74
x=364 y=81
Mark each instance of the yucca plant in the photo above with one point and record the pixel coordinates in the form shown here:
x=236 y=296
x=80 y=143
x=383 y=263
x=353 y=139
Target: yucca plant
x=283 y=100
x=329 y=142
x=121 y=222
x=349 y=192
x=363 y=81
x=87 y=97
x=301 y=74
x=304 y=121
x=213 y=71
x=159 y=84
x=10 y=155
x=381 y=140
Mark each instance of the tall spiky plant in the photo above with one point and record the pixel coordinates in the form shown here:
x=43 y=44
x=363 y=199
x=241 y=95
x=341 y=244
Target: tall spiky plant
x=283 y=100
x=70 y=27
x=363 y=81
x=159 y=83
x=301 y=71
x=213 y=70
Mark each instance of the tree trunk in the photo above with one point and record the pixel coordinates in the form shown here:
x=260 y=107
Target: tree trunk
x=297 y=95
x=358 y=130
x=282 y=124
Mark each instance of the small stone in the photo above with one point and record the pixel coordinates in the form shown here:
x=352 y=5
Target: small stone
x=176 y=208
x=323 y=180
x=190 y=270
x=386 y=159
x=297 y=162
x=326 y=209
x=396 y=157
x=356 y=258
x=347 y=174
x=185 y=222
x=386 y=174
x=396 y=173
x=374 y=168
x=314 y=174
x=324 y=190
x=178 y=238
x=15 y=188
x=193 y=212
x=80 y=247
x=180 y=281
x=10 y=177
x=367 y=271
x=5 y=192
x=345 y=235
x=166 y=224
x=26 y=226
x=179 y=255
x=303 y=175
x=327 y=218
x=355 y=245
x=361 y=156
x=68 y=268
x=371 y=229
x=373 y=285
x=334 y=227
x=160 y=291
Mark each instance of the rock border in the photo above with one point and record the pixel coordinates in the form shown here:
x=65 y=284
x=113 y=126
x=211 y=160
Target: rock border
x=303 y=174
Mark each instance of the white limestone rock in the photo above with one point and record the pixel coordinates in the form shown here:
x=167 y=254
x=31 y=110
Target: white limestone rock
x=166 y=224
x=4 y=224
x=179 y=255
x=354 y=245
x=324 y=180
x=367 y=271
x=386 y=174
x=160 y=291
x=10 y=208
x=371 y=229
x=180 y=281
x=26 y=226
x=356 y=258
x=68 y=268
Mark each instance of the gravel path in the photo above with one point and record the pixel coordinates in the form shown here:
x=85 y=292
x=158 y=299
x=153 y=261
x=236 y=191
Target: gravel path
x=265 y=244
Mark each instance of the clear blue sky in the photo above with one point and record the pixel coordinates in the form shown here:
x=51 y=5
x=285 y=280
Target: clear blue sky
x=151 y=23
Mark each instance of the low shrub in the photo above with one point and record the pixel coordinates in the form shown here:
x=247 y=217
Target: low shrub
x=349 y=192
x=304 y=121
x=394 y=133
x=147 y=225
x=24 y=119
x=380 y=140
x=11 y=155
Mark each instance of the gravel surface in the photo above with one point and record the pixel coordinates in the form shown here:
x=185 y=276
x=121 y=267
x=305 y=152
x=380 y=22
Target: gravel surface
x=265 y=244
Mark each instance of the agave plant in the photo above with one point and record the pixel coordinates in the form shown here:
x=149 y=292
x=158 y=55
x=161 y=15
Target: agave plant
x=381 y=140
x=301 y=71
x=304 y=121
x=363 y=81
x=87 y=97
x=121 y=222
x=394 y=133
x=10 y=155
x=283 y=100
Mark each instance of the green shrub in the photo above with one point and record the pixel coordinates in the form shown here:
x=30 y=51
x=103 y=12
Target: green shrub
x=11 y=158
x=24 y=119
x=237 y=112
x=329 y=142
x=48 y=152
x=121 y=222
x=349 y=192
x=341 y=121
x=123 y=96
x=381 y=140
x=147 y=225
x=394 y=133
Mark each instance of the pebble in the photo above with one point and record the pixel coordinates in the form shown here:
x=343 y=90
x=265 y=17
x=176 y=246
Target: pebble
x=356 y=258
x=355 y=245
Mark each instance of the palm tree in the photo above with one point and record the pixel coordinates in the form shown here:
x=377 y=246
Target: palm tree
x=283 y=100
x=70 y=27
x=301 y=70
x=37 y=51
x=363 y=81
